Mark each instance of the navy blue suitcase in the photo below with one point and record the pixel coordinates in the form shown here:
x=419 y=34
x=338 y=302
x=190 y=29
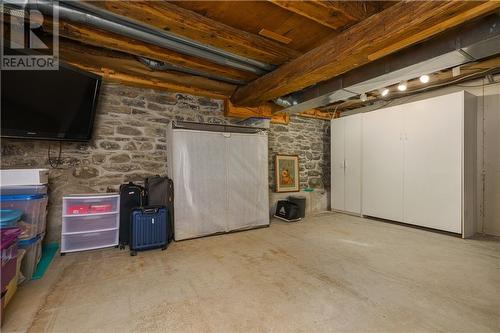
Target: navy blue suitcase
x=148 y=229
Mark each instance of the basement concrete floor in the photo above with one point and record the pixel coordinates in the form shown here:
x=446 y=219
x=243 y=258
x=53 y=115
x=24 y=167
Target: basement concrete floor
x=333 y=272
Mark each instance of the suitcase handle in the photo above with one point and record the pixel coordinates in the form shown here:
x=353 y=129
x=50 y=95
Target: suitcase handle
x=150 y=210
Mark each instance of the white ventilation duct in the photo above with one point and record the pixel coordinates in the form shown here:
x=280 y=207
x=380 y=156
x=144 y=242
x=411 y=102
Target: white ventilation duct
x=471 y=42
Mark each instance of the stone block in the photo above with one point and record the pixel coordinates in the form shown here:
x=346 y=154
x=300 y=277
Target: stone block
x=121 y=167
x=98 y=158
x=127 y=130
x=146 y=146
x=115 y=109
x=120 y=158
x=85 y=172
x=156 y=107
x=162 y=98
x=109 y=145
x=134 y=102
x=130 y=146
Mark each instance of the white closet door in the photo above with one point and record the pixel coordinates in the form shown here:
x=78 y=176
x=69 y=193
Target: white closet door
x=337 y=166
x=352 y=150
x=199 y=182
x=383 y=164
x=433 y=161
x=247 y=178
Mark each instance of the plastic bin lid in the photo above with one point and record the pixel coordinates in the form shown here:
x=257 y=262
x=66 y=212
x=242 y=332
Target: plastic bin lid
x=28 y=242
x=8 y=216
x=23 y=189
x=8 y=236
x=21 y=197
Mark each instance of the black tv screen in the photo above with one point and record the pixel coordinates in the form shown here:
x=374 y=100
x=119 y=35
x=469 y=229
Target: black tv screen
x=48 y=104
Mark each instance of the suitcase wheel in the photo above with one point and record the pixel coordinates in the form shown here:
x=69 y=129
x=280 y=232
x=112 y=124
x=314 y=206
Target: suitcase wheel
x=63 y=254
x=133 y=253
x=164 y=248
x=122 y=246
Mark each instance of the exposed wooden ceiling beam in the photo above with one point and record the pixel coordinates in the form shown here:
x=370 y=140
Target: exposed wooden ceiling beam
x=394 y=28
x=96 y=37
x=332 y=14
x=268 y=110
x=170 y=17
x=120 y=67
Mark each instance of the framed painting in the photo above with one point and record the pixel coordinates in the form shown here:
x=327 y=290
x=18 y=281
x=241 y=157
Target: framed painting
x=287 y=173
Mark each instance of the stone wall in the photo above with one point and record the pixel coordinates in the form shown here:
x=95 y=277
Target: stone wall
x=309 y=139
x=129 y=144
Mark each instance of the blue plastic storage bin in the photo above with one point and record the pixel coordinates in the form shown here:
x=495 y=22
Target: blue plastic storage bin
x=33 y=207
x=9 y=217
x=33 y=247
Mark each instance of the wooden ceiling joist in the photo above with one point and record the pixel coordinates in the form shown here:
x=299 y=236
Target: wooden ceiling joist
x=169 y=17
x=100 y=38
x=120 y=67
x=268 y=110
x=332 y=14
x=395 y=28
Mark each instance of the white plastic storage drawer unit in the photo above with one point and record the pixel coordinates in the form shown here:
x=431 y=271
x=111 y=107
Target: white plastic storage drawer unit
x=90 y=222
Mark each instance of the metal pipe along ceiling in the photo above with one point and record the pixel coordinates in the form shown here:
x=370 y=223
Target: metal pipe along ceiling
x=90 y=15
x=165 y=66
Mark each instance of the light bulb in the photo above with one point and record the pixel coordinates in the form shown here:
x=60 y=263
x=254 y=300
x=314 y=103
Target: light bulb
x=424 y=78
x=384 y=92
x=402 y=86
x=363 y=97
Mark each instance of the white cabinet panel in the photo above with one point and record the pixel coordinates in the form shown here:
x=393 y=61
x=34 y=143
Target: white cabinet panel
x=419 y=163
x=433 y=162
x=199 y=174
x=352 y=150
x=383 y=164
x=337 y=172
x=247 y=190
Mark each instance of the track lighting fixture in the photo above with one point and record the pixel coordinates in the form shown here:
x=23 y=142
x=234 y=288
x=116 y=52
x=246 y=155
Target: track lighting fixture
x=384 y=92
x=402 y=86
x=424 y=78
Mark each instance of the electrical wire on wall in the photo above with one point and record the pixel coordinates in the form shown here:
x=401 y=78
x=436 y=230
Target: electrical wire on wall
x=57 y=163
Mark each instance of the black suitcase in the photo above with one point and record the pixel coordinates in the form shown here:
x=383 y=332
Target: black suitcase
x=131 y=196
x=160 y=192
x=287 y=211
x=149 y=228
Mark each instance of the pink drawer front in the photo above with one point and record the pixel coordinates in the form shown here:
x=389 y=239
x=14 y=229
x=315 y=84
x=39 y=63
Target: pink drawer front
x=90 y=205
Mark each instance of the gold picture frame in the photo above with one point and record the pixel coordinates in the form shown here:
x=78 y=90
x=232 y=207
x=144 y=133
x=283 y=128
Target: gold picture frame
x=287 y=173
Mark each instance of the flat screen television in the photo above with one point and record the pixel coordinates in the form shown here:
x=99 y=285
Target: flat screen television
x=47 y=104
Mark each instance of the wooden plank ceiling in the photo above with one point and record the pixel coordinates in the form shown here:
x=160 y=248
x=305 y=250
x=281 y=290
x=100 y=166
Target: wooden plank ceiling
x=306 y=41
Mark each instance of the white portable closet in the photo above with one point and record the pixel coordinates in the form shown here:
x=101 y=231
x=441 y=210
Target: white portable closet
x=220 y=176
x=419 y=163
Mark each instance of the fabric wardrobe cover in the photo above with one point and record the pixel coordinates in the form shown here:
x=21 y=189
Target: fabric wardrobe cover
x=220 y=181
